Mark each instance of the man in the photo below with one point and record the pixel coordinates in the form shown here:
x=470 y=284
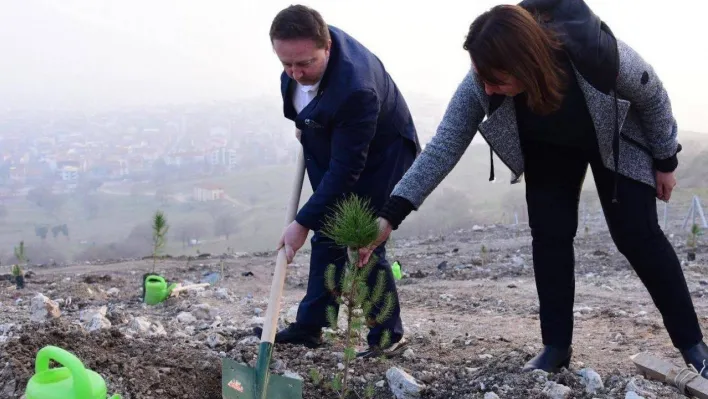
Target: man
x=358 y=137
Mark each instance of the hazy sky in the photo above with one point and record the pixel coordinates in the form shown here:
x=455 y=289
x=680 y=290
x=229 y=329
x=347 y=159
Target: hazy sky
x=77 y=53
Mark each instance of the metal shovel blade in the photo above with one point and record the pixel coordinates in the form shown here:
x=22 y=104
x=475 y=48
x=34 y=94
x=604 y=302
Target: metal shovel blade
x=239 y=381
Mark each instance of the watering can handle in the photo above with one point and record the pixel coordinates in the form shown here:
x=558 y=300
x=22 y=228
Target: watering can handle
x=270 y=321
x=82 y=387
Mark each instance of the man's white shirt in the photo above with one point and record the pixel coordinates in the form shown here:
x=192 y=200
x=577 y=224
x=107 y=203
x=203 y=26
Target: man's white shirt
x=302 y=95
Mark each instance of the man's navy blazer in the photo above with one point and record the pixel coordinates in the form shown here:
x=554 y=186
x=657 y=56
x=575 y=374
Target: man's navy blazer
x=358 y=135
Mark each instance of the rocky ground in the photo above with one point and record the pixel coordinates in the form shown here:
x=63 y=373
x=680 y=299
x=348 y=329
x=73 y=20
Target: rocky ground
x=471 y=319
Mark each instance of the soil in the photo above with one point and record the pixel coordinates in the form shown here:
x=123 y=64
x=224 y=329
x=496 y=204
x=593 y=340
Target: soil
x=471 y=320
x=150 y=368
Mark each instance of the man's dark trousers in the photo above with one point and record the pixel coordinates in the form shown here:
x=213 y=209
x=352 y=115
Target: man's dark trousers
x=312 y=312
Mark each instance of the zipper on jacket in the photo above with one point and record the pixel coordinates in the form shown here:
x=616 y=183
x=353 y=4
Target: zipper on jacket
x=492 y=151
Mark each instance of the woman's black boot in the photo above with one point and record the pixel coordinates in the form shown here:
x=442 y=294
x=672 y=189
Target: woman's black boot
x=551 y=359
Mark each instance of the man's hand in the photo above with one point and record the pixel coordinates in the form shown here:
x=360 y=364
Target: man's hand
x=384 y=231
x=293 y=239
x=665 y=183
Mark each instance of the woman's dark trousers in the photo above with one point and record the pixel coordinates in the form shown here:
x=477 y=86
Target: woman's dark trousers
x=554 y=177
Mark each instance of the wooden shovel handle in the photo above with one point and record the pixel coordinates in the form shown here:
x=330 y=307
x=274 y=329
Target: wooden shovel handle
x=281 y=264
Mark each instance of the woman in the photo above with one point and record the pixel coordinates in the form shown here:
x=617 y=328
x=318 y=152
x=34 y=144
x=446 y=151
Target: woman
x=561 y=93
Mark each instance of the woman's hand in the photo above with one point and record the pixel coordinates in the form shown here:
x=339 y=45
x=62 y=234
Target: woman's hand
x=665 y=183
x=384 y=231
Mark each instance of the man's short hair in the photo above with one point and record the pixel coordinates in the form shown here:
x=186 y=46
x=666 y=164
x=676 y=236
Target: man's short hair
x=300 y=22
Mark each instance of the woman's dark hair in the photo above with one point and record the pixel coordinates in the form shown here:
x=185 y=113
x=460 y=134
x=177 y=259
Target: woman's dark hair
x=507 y=38
x=300 y=22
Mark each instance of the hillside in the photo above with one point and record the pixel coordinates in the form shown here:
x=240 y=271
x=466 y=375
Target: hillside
x=471 y=321
x=112 y=223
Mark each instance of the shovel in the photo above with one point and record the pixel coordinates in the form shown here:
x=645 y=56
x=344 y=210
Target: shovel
x=239 y=381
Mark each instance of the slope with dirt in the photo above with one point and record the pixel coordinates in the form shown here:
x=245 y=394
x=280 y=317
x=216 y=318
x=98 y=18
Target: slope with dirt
x=471 y=319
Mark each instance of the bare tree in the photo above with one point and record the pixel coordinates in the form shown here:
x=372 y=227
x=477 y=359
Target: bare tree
x=225 y=225
x=188 y=231
x=45 y=199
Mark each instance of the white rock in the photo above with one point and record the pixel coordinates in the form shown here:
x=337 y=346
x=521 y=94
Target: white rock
x=250 y=340
x=98 y=322
x=291 y=315
x=556 y=391
x=402 y=384
x=139 y=325
x=591 y=379
x=223 y=293
x=633 y=395
x=541 y=375
x=113 y=291
x=87 y=314
x=491 y=395
x=408 y=354
x=7 y=381
x=157 y=329
x=186 y=318
x=214 y=340
x=380 y=384
x=43 y=308
x=204 y=311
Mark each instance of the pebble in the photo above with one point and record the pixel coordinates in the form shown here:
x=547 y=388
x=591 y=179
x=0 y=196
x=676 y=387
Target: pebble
x=186 y=318
x=43 y=308
x=591 y=379
x=250 y=340
x=403 y=385
x=556 y=391
x=633 y=395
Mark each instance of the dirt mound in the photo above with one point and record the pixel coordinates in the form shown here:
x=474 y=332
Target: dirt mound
x=135 y=368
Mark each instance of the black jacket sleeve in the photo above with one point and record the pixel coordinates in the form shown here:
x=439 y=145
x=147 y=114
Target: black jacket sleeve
x=395 y=210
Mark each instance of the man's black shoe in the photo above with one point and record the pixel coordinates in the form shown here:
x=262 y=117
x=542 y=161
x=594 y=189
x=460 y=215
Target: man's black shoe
x=393 y=350
x=551 y=359
x=296 y=335
x=697 y=356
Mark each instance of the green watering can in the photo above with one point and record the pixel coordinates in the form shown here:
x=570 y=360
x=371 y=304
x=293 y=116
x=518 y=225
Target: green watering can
x=396 y=267
x=73 y=381
x=156 y=289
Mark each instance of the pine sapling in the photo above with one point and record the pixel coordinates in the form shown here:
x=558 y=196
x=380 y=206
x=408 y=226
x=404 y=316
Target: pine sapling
x=20 y=253
x=17 y=271
x=692 y=241
x=159 y=236
x=221 y=276
x=353 y=225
